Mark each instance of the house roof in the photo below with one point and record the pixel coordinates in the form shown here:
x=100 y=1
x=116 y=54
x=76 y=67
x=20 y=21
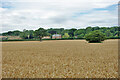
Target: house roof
x=56 y=35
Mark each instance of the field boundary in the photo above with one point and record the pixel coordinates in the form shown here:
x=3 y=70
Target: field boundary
x=49 y=39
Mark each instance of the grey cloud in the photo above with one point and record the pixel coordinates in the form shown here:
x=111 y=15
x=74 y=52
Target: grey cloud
x=54 y=13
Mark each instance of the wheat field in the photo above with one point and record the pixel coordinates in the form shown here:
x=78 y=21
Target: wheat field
x=60 y=59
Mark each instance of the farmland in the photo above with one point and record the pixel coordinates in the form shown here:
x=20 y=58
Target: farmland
x=60 y=59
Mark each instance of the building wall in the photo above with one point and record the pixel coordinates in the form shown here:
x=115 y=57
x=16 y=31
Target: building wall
x=9 y=37
x=56 y=37
x=46 y=37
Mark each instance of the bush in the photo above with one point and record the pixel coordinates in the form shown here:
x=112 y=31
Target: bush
x=95 y=37
x=66 y=35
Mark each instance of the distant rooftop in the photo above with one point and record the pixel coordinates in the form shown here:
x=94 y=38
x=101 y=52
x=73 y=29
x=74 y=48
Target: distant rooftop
x=56 y=35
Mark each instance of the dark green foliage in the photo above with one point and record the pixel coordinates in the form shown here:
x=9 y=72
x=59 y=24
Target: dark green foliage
x=71 y=32
x=95 y=28
x=95 y=37
x=27 y=34
x=66 y=35
x=55 y=31
x=52 y=31
x=40 y=33
x=12 y=33
x=80 y=36
x=80 y=31
x=109 y=32
x=88 y=30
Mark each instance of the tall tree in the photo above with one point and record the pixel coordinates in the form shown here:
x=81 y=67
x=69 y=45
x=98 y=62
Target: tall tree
x=27 y=34
x=51 y=31
x=108 y=34
x=71 y=32
x=81 y=36
x=95 y=28
x=41 y=32
x=88 y=30
x=66 y=35
x=79 y=32
x=95 y=36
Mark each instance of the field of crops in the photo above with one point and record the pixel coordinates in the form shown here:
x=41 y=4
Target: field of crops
x=60 y=59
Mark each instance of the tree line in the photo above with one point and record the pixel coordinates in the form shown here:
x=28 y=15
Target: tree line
x=109 y=32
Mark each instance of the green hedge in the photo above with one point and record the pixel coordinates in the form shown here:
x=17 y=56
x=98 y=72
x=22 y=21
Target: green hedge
x=53 y=39
x=42 y=39
x=113 y=38
x=20 y=40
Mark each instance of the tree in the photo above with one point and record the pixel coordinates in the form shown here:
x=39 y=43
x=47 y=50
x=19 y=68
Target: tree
x=95 y=28
x=24 y=34
x=79 y=32
x=108 y=34
x=30 y=34
x=27 y=34
x=71 y=32
x=80 y=36
x=41 y=32
x=51 y=31
x=95 y=37
x=64 y=31
x=66 y=35
x=88 y=30
x=16 y=33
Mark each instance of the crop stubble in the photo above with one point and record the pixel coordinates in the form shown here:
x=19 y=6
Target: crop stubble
x=60 y=59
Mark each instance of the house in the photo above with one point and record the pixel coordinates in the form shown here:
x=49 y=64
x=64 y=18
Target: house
x=9 y=37
x=14 y=37
x=46 y=37
x=56 y=36
x=75 y=36
x=3 y=37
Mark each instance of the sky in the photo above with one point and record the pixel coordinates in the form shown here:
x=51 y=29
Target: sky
x=33 y=14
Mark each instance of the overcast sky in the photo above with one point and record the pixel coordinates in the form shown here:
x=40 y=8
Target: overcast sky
x=32 y=14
